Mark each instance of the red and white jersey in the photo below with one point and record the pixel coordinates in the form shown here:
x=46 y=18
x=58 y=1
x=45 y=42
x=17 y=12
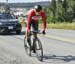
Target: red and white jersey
x=34 y=16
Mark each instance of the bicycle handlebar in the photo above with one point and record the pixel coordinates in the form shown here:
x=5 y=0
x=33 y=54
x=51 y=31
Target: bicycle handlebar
x=35 y=32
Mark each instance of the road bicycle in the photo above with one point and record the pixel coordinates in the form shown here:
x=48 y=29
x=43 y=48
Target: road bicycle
x=34 y=45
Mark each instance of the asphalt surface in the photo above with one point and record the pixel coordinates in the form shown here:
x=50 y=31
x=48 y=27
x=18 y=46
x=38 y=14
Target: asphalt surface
x=57 y=46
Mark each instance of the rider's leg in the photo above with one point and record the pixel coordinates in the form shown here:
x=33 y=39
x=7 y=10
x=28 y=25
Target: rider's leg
x=29 y=40
x=28 y=36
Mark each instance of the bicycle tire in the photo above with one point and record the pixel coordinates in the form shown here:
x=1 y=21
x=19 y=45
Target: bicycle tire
x=39 y=48
x=27 y=47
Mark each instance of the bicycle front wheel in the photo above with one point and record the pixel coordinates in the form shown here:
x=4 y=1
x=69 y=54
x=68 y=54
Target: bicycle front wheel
x=39 y=49
x=27 y=47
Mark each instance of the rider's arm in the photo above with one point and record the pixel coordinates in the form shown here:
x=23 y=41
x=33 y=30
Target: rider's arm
x=29 y=20
x=43 y=14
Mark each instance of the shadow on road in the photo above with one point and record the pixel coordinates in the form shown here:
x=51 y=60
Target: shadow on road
x=67 y=58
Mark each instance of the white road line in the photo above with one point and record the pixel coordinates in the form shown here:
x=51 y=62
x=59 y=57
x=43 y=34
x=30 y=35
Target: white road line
x=60 y=38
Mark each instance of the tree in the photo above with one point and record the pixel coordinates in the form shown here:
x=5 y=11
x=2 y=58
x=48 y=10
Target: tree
x=73 y=8
x=59 y=11
x=53 y=7
x=65 y=9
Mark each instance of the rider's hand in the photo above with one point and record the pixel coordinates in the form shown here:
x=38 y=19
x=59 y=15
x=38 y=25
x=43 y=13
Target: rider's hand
x=43 y=32
x=27 y=33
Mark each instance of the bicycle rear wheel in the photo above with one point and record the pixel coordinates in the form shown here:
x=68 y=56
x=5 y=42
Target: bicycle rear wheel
x=27 y=47
x=39 y=49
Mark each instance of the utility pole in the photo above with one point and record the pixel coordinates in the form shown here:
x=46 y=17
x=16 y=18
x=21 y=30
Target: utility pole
x=7 y=7
x=6 y=1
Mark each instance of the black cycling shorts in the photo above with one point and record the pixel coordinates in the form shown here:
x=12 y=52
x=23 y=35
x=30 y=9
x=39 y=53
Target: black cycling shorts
x=34 y=26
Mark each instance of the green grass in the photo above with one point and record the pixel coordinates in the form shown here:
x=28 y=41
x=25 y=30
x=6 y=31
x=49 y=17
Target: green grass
x=61 y=26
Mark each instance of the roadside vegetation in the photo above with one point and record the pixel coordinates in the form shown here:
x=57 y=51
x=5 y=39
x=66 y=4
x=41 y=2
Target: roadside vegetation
x=61 y=14
x=69 y=26
x=61 y=11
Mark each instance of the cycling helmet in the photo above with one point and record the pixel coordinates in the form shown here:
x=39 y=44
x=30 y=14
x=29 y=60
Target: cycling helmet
x=38 y=7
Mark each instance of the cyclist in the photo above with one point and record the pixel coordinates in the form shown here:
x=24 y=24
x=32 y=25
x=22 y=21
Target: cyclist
x=33 y=20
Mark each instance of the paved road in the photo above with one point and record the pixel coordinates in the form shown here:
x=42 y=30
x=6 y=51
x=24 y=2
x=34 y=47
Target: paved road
x=56 y=51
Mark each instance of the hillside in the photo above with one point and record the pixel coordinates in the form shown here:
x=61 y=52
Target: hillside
x=23 y=5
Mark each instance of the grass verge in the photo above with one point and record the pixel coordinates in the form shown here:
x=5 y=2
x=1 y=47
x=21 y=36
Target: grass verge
x=70 y=26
